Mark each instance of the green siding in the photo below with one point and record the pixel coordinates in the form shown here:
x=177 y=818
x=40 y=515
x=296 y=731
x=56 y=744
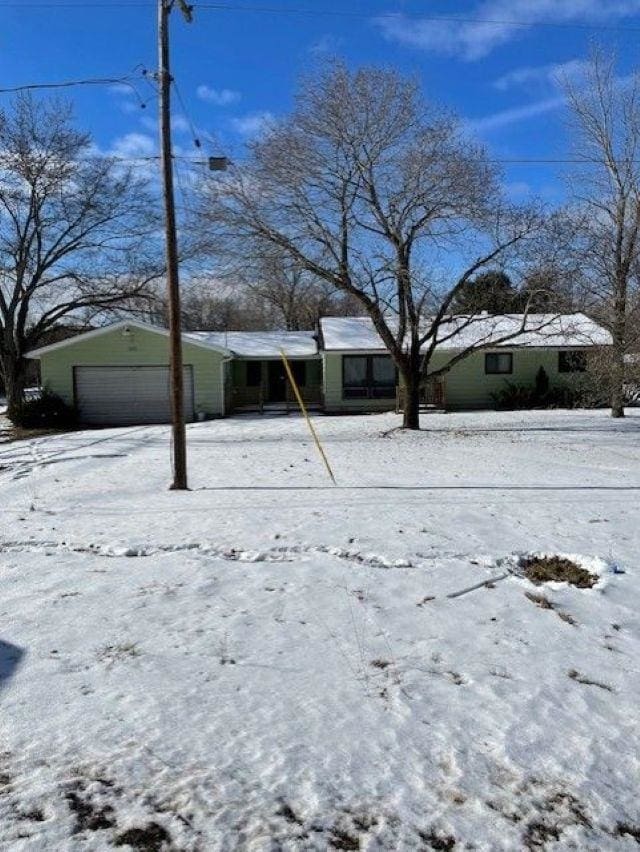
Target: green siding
x=141 y=348
x=465 y=386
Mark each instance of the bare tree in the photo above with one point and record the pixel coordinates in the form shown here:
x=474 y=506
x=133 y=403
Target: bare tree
x=209 y=304
x=606 y=213
x=294 y=297
x=366 y=188
x=76 y=237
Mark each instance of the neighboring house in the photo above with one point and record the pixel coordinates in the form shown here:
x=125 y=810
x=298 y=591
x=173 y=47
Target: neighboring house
x=119 y=374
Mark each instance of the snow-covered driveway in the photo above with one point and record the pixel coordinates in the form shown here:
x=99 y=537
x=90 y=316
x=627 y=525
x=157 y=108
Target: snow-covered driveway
x=271 y=662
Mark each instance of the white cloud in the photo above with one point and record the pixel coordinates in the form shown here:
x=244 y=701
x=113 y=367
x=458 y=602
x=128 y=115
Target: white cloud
x=574 y=71
x=132 y=146
x=326 y=44
x=505 y=117
x=518 y=190
x=499 y=21
x=127 y=97
x=138 y=150
x=218 y=97
x=179 y=124
x=552 y=74
x=121 y=89
x=253 y=124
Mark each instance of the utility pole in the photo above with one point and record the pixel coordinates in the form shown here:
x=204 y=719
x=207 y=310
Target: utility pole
x=173 y=285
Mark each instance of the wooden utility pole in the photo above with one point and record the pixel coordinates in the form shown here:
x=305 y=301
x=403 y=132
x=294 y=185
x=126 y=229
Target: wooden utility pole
x=173 y=285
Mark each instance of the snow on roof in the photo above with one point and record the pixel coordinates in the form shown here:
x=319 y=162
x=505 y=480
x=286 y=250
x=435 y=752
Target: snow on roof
x=261 y=344
x=107 y=329
x=460 y=332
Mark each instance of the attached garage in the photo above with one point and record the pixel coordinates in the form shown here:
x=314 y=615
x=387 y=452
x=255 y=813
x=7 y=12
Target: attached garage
x=119 y=375
x=124 y=396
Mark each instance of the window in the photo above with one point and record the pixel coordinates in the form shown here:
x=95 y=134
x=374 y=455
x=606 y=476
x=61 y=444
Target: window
x=254 y=374
x=299 y=370
x=498 y=363
x=383 y=377
x=354 y=376
x=368 y=377
x=572 y=361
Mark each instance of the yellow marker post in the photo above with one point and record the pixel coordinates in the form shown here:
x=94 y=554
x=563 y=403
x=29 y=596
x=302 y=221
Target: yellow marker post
x=303 y=408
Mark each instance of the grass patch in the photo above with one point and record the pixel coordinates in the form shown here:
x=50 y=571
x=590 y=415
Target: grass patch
x=546 y=569
x=539 y=600
x=11 y=432
x=545 y=603
x=111 y=654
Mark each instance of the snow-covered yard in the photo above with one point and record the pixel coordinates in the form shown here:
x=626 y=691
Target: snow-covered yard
x=270 y=662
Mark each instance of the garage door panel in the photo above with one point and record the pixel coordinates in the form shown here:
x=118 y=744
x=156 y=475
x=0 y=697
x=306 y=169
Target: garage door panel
x=128 y=395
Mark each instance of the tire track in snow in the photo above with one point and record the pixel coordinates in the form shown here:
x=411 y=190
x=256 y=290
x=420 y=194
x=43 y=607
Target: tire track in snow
x=28 y=459
x=228 y=554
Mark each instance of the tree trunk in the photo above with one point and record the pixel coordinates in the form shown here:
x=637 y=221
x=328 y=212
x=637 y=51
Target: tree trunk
x=617 y=382
x=411 y=408
x=14 y=374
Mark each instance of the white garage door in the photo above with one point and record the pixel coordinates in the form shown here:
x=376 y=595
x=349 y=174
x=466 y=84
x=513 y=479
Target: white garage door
x=124 y=396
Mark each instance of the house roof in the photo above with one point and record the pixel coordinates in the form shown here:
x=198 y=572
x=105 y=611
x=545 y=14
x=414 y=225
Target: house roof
x=263 y=344
x=105 y=329
x=340 y=334
x=247 y=344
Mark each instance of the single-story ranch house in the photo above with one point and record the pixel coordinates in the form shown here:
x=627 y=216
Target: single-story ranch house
x=119 y=374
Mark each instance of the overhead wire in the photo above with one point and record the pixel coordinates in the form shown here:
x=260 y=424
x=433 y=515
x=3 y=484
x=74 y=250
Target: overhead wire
x=126 y=80
x=326 y=12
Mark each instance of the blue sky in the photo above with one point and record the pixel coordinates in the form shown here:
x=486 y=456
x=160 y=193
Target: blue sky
x=235 y=67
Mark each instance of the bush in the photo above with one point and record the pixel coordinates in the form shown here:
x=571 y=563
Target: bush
x=540 y=395
x=513 y=396
x=45 y=411
x=542 y=383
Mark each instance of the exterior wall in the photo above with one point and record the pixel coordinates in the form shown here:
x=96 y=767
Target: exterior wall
x=466 y=386
x=140 y=348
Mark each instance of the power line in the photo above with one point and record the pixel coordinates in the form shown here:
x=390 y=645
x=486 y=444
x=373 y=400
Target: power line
x=196 y=141
x=337 y=13
x=68 y=84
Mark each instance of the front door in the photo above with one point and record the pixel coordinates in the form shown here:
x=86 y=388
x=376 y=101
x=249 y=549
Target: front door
x=277 y=387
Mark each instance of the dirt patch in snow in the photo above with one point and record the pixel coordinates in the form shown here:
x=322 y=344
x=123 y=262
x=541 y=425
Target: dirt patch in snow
x=545 y=569
x=152 y=838
x=544 y=603
x=587 y=681
x=89 y=816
